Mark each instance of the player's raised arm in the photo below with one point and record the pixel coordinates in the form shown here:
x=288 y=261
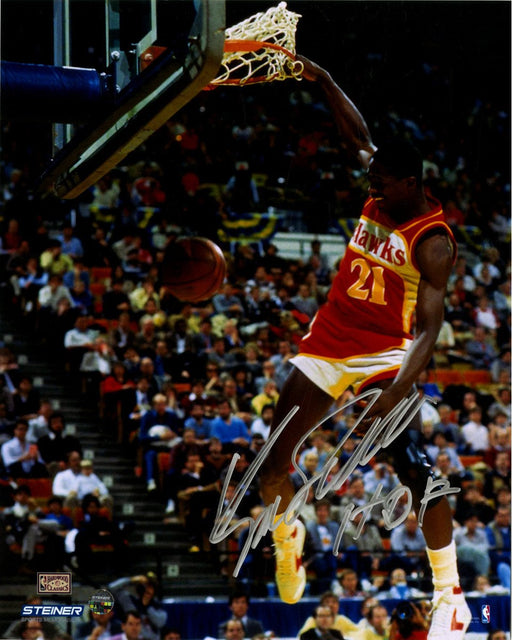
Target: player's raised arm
x=350 y=122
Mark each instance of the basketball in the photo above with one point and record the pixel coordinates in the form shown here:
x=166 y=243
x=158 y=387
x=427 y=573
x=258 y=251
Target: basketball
x=193 y=269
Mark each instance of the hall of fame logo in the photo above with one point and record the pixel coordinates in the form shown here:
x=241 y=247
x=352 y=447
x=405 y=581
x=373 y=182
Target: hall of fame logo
x=54 y=583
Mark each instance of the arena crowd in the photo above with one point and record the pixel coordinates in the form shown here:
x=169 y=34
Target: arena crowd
x=182 y=387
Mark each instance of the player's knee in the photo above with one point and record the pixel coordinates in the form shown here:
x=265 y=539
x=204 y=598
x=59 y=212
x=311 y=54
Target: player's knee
x=413 y=471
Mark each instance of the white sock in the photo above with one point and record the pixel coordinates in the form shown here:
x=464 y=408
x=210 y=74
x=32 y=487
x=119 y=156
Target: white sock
x=444 y=566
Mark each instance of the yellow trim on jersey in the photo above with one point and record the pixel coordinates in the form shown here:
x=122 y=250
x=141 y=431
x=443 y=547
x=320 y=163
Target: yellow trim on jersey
x=404 y=345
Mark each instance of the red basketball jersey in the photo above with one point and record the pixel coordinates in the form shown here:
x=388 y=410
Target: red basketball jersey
x=370 y=305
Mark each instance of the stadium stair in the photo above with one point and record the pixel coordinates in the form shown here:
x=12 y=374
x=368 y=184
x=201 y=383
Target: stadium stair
x=165 y=552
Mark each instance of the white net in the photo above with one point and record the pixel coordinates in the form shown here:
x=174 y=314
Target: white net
x=260 y=49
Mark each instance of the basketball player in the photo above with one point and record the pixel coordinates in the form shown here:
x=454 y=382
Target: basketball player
x=398 y=261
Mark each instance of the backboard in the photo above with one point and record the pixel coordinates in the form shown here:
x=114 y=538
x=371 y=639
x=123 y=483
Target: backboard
x=161 y=54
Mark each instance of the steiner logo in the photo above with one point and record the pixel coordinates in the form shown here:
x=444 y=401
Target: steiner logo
x=486 y=613
x=54 y=610
x=54 y=583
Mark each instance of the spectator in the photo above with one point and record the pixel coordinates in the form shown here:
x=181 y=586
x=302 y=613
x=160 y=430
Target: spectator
x=408 y=543
x=447 y=426
x=261 y=425
x=214 y=457
x=115 y=302
x=38 y=426
x=197 y=489
x=26 y=400
x=501 y=404
x=54 y=260
x=442 y=442
x=324 y=626
x=308 y=469
x=100 y=626
x=349 y=581
x=17 y=520
x=430 y=389
x=30 y=282
x=472 y=548
x=89 y=483
x=399 y=589
x=239 y=606
x=203 y=339
x=65 y=483
x=22 y=459
x=97 y=529
x=480 y=350
x=472 y=501
x=122 y=247
x=320 y=445
x=201 y=426
x=6 y=425
x=147 y=370
x=356 y=493
x=32 y=629
x=79 y=341
x=70 y=245
x=116 y=393
x=485 y=316
x=498 y=537
x=49 y=629
x=269 y=395
x=131 y=627
x=269 y=371
x=50 y=294
x=241 y=190
x=382 y=474
x=377 y=627
x=227 y=303
x=363 y=545
x=499 y=476
x=443 y=469
x=56 y=447
x=158 y=429
x=501 y=300
x=468 y=404
x=229 y=429
x=475 y=433
x=409 y=622
x=304 y=302
x=143 y=600
x=178 y=458
x=234 y=630
x=142 y=293
x=482 y=587
x=497 y=634
x=320 y=557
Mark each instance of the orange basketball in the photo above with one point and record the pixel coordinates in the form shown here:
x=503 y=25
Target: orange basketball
x=193 y=269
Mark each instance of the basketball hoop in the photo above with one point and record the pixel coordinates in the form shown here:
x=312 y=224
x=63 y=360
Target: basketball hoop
x=260 y=49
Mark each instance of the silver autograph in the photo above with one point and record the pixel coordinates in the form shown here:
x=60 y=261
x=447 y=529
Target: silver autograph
x=380 y=434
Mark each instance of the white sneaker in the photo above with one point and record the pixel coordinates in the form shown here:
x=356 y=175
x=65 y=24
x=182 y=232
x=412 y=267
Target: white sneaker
x=290 y=574
x=450 y=615
x=170 y=506
x=151 y=485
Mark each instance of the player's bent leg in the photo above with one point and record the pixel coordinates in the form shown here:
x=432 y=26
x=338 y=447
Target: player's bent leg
x=275 y=482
